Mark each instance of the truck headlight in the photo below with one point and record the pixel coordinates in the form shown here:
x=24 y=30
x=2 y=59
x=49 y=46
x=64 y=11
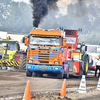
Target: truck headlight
x=29 y=66
x=56 y=68
x=56 y=62
x=30 y=61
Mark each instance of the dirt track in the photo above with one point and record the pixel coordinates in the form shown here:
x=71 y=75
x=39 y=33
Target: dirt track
x=13 y=83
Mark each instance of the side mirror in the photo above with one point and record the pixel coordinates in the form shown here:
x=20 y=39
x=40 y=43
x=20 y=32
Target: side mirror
x=64 y=42
x=25 y=42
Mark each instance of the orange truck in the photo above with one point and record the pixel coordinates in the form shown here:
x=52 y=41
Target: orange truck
x=45 y=53
x=52 y=51
x=76 y=53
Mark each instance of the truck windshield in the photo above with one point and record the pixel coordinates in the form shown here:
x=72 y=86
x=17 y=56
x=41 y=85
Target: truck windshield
x=11 y=46
x=71 y=40
x=45 y=40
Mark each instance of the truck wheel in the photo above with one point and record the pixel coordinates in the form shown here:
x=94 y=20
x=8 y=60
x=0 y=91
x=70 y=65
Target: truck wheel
x=28 y=73
x=34 y=74
x=86 y=65
x=39 y=74
x=22 y=62
x=61 y=75
x=80 y=73
x=81 y=70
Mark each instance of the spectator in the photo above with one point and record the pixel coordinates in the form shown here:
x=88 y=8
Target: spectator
x=97 y=65
x=8 y=37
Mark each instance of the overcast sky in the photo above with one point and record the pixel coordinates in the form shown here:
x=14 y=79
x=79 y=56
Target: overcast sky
x=27 y=1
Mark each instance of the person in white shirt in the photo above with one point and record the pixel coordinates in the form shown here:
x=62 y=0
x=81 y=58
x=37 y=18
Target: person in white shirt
x=97 y=65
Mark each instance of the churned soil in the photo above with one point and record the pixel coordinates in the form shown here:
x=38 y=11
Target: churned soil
x=13 y=83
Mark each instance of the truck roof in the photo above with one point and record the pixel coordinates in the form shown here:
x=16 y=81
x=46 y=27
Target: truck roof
x=51 y=32
x=71 y=32
x=10 y=41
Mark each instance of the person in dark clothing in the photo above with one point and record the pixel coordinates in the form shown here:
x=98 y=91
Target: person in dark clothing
x=9 y=37
x=97 y=65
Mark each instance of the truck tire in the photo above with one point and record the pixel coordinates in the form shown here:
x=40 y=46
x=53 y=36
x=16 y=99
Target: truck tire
x=34 y=74
x=60 y=76
x=39 y=74
x=86 y=65
x=22 y=62
x=81 y=68
x=28 y=73
x=80 y=73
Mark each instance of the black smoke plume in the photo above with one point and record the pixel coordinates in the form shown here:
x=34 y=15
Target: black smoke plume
x=40 y=9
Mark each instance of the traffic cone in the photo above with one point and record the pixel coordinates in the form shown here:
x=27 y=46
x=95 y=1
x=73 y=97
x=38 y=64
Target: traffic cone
x=63 y=89
x=98 y=85
x=27 y=94
x=82 y=87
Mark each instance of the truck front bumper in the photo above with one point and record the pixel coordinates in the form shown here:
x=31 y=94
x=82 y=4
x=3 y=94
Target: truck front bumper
x=44 y=68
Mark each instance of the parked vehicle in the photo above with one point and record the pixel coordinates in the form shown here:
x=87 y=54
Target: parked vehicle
x=10 y=47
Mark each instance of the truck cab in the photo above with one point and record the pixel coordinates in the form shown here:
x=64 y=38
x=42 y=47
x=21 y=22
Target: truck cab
x=75 y=53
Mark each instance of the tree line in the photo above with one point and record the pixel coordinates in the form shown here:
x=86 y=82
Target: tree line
x=15 y=17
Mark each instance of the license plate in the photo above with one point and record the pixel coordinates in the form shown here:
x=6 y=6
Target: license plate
x=43 y=67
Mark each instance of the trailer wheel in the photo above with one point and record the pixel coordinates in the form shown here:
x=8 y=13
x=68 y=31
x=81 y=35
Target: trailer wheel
x=28 y=73
x=22 y=62
x=86 y=65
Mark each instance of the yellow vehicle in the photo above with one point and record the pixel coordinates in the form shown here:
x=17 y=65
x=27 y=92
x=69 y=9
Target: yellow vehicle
x=10 y=47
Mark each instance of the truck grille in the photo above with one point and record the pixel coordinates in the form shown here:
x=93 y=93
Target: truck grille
x=43 y=56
